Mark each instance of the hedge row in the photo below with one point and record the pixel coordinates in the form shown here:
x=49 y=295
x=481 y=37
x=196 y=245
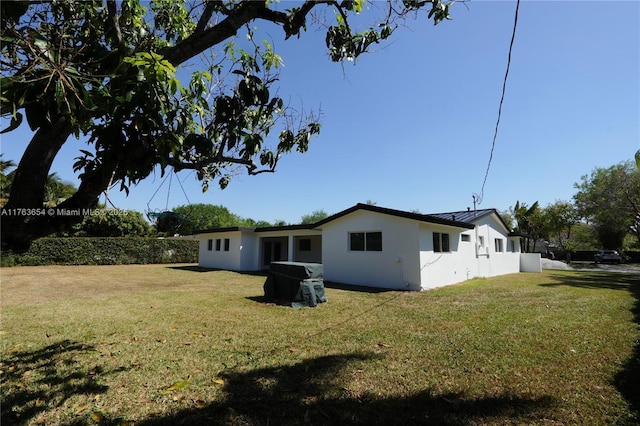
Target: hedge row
x=104 y=251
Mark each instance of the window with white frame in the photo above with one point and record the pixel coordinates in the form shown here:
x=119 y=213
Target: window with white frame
x=218 y=242
x=226 y=244
x=441 y=242
x=209 y=245
x=480 y=241
x=465 y=238
x=365 y=241
x=499 y=245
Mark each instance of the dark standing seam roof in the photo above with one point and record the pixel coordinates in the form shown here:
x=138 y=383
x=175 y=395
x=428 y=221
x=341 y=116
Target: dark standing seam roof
x=465 y=215
x=470 y=215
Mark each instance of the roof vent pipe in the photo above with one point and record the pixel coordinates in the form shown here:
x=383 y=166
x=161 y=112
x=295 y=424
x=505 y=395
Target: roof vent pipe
x=453 y=217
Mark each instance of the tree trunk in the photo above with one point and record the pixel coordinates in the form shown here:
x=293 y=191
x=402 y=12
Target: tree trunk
x=20 y=217
x=27 y=189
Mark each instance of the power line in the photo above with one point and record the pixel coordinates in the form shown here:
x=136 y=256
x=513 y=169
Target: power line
x=504 y=89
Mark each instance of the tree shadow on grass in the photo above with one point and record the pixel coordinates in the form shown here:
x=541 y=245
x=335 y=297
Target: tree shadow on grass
x=627 y=380
x=357 y=288
x=596 y=280
x=40 y=380
x=312 y=392
x=196 y=268
x=192 y=268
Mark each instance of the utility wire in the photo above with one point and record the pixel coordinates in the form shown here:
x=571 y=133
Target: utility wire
x=504 y=89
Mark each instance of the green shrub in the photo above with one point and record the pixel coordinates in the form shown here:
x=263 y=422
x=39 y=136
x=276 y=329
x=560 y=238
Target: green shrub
x=104 y=251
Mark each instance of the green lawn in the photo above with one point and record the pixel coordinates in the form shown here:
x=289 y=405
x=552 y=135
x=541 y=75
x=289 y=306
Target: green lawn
x=157 y=344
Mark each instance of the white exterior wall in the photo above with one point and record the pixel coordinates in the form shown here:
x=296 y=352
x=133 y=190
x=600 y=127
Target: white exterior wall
x=443 y=268
x=232 y=259
x=249 y=249
x=490 y=262
x=470 y=259
x=395 y=267
x=530 y=262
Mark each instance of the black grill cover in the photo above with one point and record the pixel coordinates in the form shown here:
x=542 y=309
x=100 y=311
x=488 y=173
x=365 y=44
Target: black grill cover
x=295 y=283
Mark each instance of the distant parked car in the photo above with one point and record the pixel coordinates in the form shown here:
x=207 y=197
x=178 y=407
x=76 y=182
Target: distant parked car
x=607 y=256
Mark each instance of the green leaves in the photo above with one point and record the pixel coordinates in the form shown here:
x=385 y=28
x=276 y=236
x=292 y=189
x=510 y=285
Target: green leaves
x=609 y=198
x=269 y=58
x=344 y=45
x=172 y=18
x=155 y=68
x=439 y=11
x=353 y=5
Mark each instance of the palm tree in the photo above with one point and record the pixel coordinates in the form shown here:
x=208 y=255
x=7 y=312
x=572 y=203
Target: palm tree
x=529 y=226
x=56 y=191
x=6 y=177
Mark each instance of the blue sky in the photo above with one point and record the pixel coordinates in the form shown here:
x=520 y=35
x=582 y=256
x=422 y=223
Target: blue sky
x=410 y=125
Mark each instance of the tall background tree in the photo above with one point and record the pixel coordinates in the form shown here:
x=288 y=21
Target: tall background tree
x=197 y=217
x=114 y=223
x=559 y=222
x=313 y=217
x=56 y=191
x=609 y=198
x=106 y=70
x=6 y=176
x=529 y=224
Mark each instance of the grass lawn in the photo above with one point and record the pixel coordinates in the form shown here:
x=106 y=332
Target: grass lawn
x=158 y=344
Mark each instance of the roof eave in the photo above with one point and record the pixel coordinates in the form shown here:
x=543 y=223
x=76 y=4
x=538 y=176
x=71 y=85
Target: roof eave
x=397 y=213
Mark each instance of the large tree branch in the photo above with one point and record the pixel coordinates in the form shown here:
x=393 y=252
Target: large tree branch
x=209 y=8
x=198 y=42
x=292 y=23
x=252 y=167
x=114 y=25
x=203 y=39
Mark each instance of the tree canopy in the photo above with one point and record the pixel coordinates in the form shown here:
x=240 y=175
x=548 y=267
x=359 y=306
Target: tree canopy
x=559 y=222
x=114 y=223
x=609 y=198
x=198 y=217
x=108 y=71
x=528 y=224
x=313 y=217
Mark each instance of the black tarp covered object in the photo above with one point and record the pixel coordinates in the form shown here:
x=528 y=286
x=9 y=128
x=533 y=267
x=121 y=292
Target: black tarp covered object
x=295 y=283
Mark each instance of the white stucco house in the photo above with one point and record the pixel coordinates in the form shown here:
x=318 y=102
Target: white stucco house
x=378 y=247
